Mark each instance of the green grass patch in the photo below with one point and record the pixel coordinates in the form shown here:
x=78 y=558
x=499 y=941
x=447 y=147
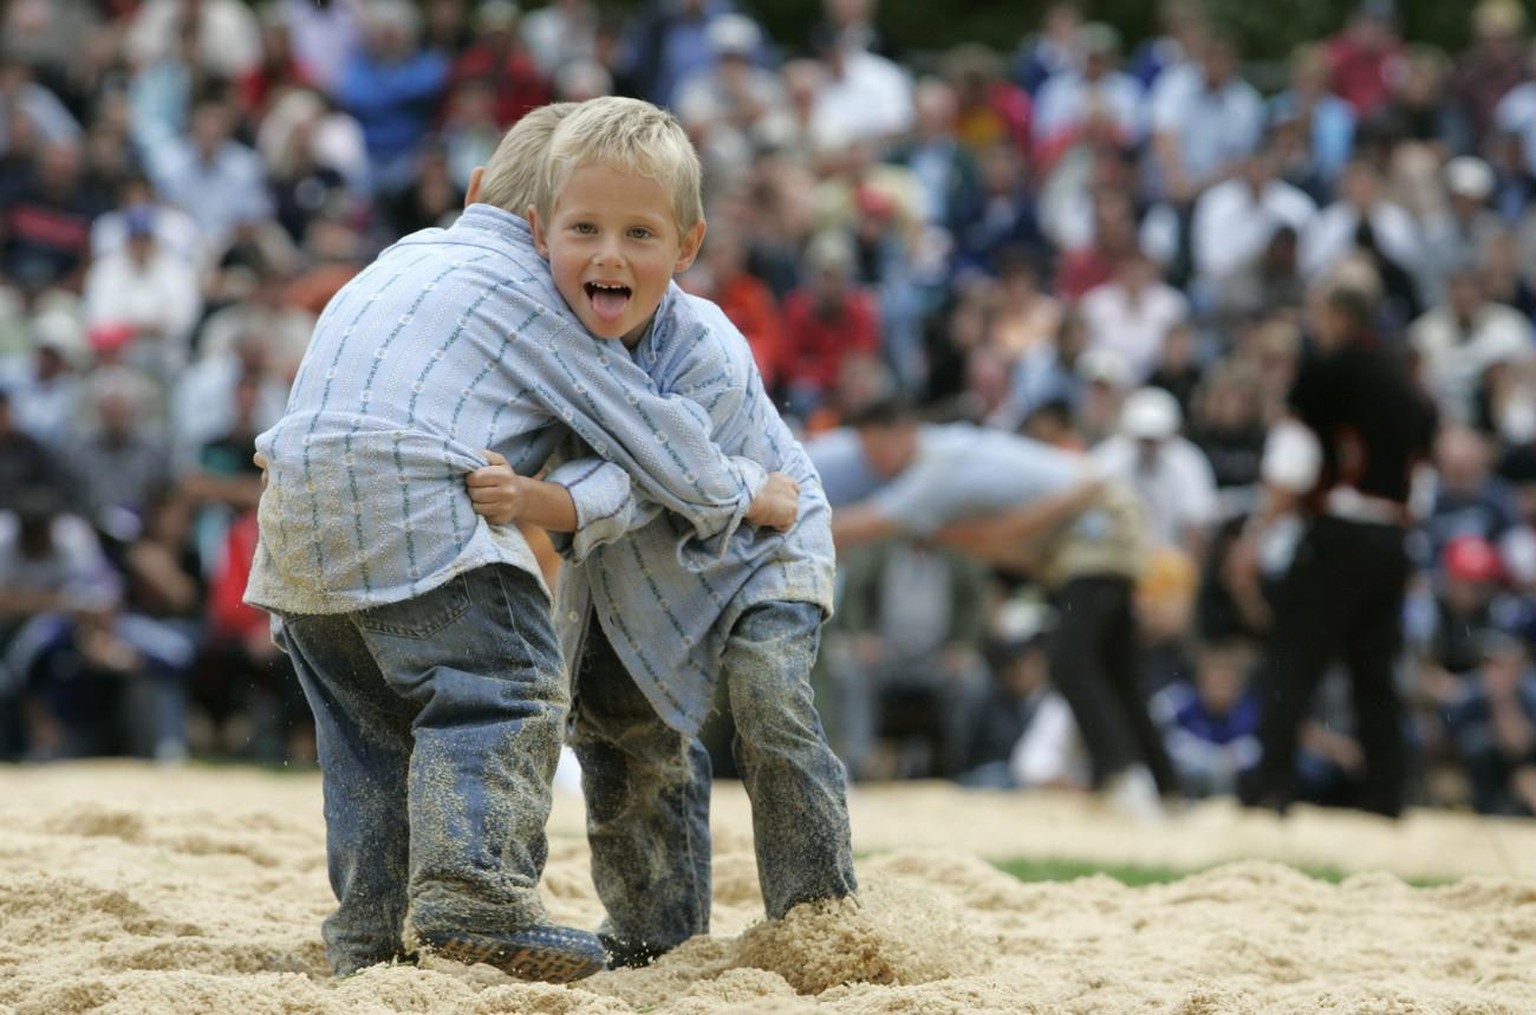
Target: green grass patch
x=1136 y=875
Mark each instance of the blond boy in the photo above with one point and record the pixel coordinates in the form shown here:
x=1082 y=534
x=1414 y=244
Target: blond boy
x=650 y=624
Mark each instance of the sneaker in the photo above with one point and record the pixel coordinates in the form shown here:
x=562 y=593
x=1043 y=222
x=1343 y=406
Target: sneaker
x=624 y=953
x=1133 y=792
x=550 y=953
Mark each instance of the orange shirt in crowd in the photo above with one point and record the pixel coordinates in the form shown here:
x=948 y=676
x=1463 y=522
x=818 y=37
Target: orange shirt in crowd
x=750 y=305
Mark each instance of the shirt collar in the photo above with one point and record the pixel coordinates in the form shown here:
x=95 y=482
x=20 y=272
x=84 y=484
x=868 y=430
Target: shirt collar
x=504 y=225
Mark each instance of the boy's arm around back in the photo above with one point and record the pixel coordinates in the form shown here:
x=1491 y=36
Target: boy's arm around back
x=701 y=364
x=662 y=440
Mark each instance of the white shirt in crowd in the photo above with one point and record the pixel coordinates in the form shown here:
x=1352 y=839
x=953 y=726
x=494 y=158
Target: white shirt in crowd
x=1454 y=356
x=161 y=293
x=1233 y=224
x=1133 y=327
x=1332 y=235
x=1212 y=129
x=1050 y=752
x=871 y=101
x=1066 y=99
x=1176 y=484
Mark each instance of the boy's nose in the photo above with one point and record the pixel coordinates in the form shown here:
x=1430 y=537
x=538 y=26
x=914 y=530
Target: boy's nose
x=610 y=253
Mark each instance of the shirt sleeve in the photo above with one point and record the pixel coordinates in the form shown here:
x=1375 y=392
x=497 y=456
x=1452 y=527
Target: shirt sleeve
x=606 y=507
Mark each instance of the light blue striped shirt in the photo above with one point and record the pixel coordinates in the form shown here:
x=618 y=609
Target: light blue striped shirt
x=455 y=340
x=666 y=610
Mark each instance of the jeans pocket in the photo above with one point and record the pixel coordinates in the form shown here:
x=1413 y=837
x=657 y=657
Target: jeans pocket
x=422 y=616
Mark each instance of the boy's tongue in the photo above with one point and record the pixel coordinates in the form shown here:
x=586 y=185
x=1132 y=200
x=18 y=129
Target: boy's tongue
x=609 y=303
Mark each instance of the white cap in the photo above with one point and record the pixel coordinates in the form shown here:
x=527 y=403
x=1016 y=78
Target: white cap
x=1150 y=414
x=734 y=33
x=1469 y=176
x=1104 y=366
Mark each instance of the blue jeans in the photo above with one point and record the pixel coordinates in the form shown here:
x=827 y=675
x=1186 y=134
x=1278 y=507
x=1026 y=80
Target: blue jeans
x=438 y=723
x=647 y=785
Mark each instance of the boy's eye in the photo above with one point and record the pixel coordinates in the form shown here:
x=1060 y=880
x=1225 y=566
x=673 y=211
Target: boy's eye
x=640 y=233
x=584 y=228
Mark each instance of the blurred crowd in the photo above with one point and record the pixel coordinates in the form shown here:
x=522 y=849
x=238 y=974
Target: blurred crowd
x=1103 y=243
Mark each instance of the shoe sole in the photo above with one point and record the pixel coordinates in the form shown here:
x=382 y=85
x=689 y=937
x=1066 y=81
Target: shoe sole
x=550 y=961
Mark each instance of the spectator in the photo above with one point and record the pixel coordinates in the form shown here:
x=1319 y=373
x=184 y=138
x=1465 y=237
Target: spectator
x=393 y=87
x=45 y=387
x=21 y=96
x=313 y=171
x=1493 y=64
x=26 y=466
x=149 y=289
x=914 y=619
x=945 y=170
x=214 y=178
x=1052 y=50
x=226 y=37
x=1204 y=119
x=1364 y=219
x=1467 y=498
x=1172 y=477
x=1022 y=735
x=45 y=222
x=1459 y=341
x=1365 y=57
x=1185 y=27
x=1072 y=99
x=828 y=320
x=1025 y=320
x=863 y=97
x=1211 y=724
x=174 y=230
x=1327 y=120
x=560 y=34
x=121 y=465
x=668 y=43
x=1236 y=220
x=470 y=132
x=721 y=275
x=1493 y=726
x=1004 y=219
x=1230 y=427
x=1422 y=109
x=854 y=22
x=729 y=106
x=1113 y=238
x=1178 y=369
x=499 y=59
x=1457 y=233
x=1132 y=314
x=991 y=110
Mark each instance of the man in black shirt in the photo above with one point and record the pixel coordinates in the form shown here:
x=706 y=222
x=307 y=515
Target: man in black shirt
x=1343 y=595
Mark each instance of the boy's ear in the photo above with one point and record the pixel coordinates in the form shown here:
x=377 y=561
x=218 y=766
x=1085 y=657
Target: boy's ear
x=540 y=240
x=472 y=192
x=693 y=239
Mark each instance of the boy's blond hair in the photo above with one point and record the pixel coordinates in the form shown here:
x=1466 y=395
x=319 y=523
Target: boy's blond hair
x=631 y=136
x=514 y=176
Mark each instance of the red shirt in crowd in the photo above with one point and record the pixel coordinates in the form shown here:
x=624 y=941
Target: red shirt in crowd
x=512 y=75
x=1364 y=77
x=820 y=340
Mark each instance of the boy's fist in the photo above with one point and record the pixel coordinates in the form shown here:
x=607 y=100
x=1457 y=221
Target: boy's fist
x=777 y=505
x=496 y=491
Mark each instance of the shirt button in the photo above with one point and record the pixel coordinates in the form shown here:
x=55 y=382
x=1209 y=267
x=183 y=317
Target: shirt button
x=573 y=616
